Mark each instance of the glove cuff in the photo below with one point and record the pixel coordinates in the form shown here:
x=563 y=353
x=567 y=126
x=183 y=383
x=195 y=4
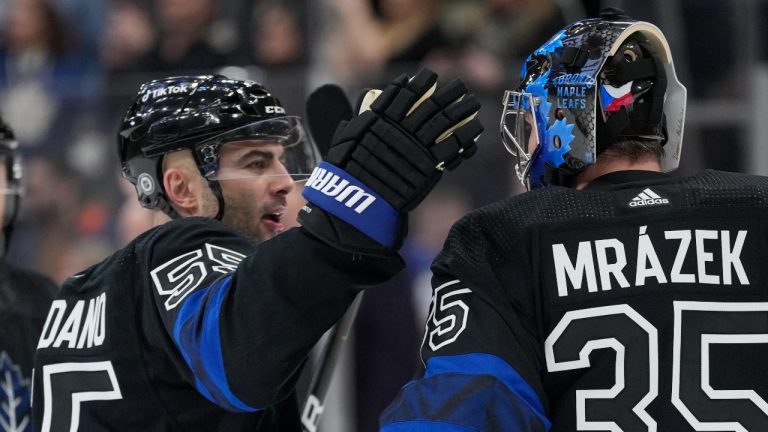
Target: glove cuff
x=338 y=193
x=344 y=236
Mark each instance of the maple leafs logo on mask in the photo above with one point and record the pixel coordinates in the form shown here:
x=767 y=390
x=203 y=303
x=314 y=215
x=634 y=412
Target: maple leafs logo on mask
x=561 y=131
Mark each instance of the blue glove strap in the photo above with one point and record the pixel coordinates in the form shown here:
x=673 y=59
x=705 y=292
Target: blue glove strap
x=335 y=191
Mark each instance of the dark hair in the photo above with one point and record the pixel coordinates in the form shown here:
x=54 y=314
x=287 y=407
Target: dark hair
x=633 y=149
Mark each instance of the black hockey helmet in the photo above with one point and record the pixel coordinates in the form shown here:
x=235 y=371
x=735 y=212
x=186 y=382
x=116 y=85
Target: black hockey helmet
x=596 y=81
x=12 y=191
x=201 y=113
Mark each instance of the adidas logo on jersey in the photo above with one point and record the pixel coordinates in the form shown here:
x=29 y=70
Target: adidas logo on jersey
x=647 y=198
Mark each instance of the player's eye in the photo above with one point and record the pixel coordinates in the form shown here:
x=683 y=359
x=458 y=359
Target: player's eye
x=257 y=164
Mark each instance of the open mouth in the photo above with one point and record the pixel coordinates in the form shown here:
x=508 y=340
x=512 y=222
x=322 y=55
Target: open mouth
x=273 y=217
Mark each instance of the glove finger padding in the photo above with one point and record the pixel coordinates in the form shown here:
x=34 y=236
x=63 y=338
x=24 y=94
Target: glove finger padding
x=400 y=96
x=442 y=98
x=446 y=119
x=418 y=131
x=396 y=151
x=410 y=162
x=459 y=145
x=387 y=160
x=345 y=137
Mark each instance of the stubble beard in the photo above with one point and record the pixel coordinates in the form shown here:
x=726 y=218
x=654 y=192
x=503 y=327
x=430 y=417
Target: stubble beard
x=247 y=220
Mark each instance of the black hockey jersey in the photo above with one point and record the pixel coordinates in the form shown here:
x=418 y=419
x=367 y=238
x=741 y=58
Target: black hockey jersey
x=24 y=300
x=639 y=304
x=191 y=327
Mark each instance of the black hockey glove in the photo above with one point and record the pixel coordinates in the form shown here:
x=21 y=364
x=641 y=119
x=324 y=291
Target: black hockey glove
x=383 y=162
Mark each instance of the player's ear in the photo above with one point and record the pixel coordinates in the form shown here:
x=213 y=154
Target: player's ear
x=183 y=186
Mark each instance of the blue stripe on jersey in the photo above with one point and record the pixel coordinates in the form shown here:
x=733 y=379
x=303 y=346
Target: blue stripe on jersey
x=487 y=364
x=196 y=333
x=470 y=392
x=424 y=426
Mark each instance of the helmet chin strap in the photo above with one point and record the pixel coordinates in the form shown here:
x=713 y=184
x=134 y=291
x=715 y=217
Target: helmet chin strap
x=216 y=188
x=207 y=160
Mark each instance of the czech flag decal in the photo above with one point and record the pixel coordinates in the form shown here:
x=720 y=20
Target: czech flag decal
x=613 y=98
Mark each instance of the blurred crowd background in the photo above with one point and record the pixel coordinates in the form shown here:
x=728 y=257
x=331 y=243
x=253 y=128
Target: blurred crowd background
x=68 y=69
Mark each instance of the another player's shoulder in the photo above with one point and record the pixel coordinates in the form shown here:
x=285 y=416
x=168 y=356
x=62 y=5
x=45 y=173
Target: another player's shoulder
x=514 y=214
x=555 y=204
x=28 y=291
x=727 y=179
x=488 y=234
x=32 y=280
x=713 y=187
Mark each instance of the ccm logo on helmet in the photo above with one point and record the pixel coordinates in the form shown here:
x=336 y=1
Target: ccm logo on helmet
x=165 y=91
x=273 y=109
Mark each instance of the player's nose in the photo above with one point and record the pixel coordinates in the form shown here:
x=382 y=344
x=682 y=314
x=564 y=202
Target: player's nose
x=281 y=181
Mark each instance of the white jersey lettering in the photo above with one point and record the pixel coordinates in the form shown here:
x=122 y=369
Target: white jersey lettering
x=599 y=263
x=81 y=329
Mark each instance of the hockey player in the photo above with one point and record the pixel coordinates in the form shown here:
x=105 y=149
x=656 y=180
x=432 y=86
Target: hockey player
x=24 y=300
x=204 y=323
x=611 y=296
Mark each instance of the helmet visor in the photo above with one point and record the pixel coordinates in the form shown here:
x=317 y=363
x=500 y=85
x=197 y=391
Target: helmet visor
x=518 y=128
x=273 y=147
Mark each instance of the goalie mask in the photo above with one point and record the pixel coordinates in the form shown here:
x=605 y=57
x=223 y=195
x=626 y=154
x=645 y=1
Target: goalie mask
x=202 y=114
x=596 y=82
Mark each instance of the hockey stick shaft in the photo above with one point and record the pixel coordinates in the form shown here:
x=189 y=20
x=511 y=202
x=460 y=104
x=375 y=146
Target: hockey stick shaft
x=326 y=107
x=323 y=376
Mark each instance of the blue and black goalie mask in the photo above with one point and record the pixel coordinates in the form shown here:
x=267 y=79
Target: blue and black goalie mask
x=595 y=82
